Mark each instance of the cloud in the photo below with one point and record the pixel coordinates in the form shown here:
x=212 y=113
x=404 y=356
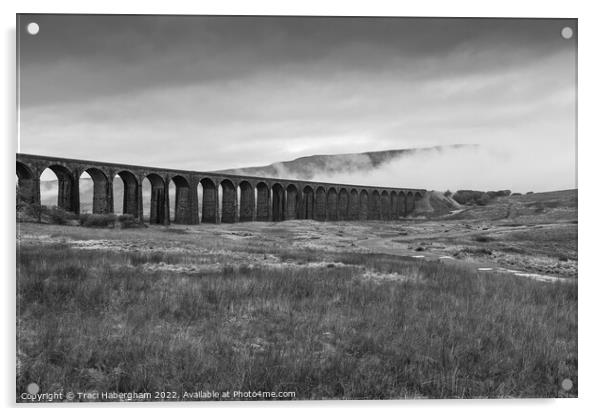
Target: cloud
x=220 y=93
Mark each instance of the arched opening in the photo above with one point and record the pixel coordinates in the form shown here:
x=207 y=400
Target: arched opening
x=263 y=202
x=59 y=188
x=394 y=207
x=331 y=204
x=228 y=201
x=49 y=188
x=354 y=205
x=95 y=192
x=146 y=199
x=153 y=191
x=247 y=201
x=179 y=197
x=307 y=204
x=343 y=204
x=125 y=193
x=374 y=206
x=278 y=207
x=363 y=211
x=118 y=194
x=209 y=208
x=385 y=206
x=292 y=201
x=320 y=207
x=199 y=208
x=26 y=184
x=171 y=197
x=86 y=193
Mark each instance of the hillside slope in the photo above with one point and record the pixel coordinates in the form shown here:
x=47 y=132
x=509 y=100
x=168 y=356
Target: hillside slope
x=308 y=167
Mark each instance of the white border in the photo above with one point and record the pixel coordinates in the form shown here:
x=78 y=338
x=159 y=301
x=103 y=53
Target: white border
x=590 y=116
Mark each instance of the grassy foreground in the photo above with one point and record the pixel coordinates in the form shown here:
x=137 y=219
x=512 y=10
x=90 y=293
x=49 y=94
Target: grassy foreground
x=103 y=320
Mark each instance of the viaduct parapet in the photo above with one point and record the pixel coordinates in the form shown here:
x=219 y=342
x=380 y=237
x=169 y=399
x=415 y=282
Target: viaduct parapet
x=223 y=198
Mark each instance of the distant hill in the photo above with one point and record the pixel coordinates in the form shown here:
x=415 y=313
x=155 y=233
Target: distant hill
x=308 y=167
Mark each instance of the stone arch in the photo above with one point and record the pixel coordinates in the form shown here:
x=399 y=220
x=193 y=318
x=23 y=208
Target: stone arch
x=385 y=206
x=247 y=201
x=228 y=205
x=363 y=205
x=158 y=213
x=374 y=206
x=320 y=205
x=68 y=188
x=292 y=201
x=278 y=202
x=307 y=203
x=102 y=190
x=131 y=188
x=331 y=204
x=181 y=209
x=24 y=171
x=343 y=205
x=209 y=207
x=27 y=184
x=263 y=202
x=354 y=205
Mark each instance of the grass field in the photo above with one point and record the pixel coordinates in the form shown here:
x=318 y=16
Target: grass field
x=233 y=313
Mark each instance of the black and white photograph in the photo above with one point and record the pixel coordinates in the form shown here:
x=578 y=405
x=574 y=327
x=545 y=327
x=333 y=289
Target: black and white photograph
x=295 y=208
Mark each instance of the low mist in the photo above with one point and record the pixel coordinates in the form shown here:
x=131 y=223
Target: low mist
x=472 y=167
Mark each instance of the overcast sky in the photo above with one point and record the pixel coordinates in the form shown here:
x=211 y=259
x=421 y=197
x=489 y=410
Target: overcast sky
x=207 y=93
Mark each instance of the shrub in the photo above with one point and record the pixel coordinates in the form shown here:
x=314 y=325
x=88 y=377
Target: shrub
x=483 y=199
x=128 y=221
x=98 y=220
x=467 y=197
x=29 y=212
x=57 y=215
x=448 y=193
x=495 y=194
x=36 y=211
x=42 y=213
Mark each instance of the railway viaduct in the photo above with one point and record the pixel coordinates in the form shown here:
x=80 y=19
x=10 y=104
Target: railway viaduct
x=225 y=198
